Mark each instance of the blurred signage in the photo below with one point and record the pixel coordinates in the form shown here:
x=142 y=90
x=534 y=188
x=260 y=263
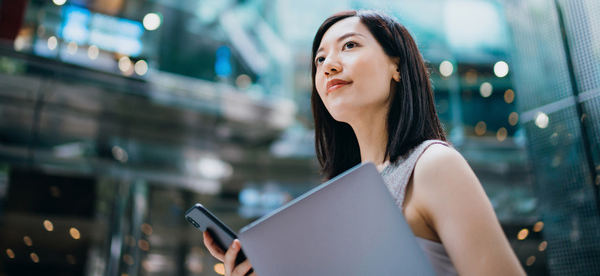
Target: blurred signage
x=222 y=64
x=106 y=32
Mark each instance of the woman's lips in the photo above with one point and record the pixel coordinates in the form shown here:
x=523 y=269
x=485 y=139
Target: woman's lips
x=335 y=84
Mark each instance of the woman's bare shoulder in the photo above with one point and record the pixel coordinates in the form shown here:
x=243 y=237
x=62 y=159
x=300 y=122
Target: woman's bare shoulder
x=441 y=179
x=439 y=161
x=444 y=183
x=452 y=201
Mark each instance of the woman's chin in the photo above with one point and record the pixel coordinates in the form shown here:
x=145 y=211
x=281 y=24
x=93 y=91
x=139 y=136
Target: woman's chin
x=341 y=117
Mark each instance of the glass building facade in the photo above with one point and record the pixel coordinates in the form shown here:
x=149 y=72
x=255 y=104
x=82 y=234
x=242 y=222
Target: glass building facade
x=557 y=62
x=117 y=116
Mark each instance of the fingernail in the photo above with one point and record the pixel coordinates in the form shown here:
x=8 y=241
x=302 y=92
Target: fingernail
x=234 y=245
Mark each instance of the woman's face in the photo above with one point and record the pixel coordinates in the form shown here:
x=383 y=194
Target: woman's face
x=354 y=75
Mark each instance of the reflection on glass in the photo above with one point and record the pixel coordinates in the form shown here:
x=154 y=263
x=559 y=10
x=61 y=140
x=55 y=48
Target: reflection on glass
x=34 y=257
x=27 y=241
x=522 y=234
x=220 y=269
x=530 y=260
x=147 y=229
x=501 y=69
x=72 y=47
x=543 y=246
x=10 y=253
x=128 y=259
x=538 y=226
x=541 y=120
x=119 y=153
x=141 y=67
x=556 y=161
x=124 y=64
x=486 y=89
x=59 y=2
x=480 y=128
x=509 y=96
x=243 y=81
x=501 y=134
x=144 y=245
x=513 y=118
x=52 y=43
x=446 y=68
x=75 y=233
x=20 y=43
x=151 y=21
x=48 y=225
x=93 y=52
x=471 y=76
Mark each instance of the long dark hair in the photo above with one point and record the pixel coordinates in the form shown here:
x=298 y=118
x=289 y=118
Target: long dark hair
x=411 y=118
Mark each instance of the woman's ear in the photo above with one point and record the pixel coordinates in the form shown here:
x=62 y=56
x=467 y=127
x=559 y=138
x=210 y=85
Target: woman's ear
x=396 y=76
x=395 y=68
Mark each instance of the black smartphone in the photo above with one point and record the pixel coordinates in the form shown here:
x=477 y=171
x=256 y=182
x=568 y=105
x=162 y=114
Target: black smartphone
x=204 y=220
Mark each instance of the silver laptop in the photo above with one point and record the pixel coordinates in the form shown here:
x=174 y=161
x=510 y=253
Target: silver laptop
x=350 y=225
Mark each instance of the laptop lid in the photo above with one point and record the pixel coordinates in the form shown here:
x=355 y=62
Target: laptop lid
x=347 y=226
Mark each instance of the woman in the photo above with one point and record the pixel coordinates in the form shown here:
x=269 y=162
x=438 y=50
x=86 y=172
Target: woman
x=372 y=101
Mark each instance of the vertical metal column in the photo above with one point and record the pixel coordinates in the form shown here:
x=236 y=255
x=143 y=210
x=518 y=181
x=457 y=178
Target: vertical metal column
x=115 y=233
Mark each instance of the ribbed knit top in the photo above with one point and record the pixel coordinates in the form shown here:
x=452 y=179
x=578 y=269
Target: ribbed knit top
x=397 y=175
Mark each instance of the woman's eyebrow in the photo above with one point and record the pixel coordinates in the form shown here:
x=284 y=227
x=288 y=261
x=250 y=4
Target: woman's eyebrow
x=346 y=35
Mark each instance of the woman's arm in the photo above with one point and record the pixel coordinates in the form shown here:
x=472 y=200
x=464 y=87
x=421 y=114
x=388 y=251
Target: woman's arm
x=449 y=197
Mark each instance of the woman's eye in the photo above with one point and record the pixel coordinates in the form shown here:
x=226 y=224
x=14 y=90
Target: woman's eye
x=319 y=60
x=350 y=45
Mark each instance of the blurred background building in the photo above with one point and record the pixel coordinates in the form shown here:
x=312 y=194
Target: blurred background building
x=118 y=115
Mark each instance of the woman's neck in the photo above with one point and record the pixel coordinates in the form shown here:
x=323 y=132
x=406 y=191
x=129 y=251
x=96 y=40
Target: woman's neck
x=371 y=134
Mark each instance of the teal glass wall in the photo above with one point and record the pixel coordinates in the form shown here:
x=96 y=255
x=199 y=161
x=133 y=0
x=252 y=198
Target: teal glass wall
x=557 y=76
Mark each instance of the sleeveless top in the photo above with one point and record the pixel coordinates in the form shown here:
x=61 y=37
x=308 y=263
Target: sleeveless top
x=396 y=176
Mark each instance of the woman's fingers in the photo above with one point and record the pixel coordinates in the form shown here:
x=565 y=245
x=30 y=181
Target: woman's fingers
x=212 y=247
x=230 y=257
x=242 y=269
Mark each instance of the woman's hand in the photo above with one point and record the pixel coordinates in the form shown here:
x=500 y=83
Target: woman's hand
x=228 y=258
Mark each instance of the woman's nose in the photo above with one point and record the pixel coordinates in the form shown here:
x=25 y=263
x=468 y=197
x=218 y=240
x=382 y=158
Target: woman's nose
x=332 y=66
